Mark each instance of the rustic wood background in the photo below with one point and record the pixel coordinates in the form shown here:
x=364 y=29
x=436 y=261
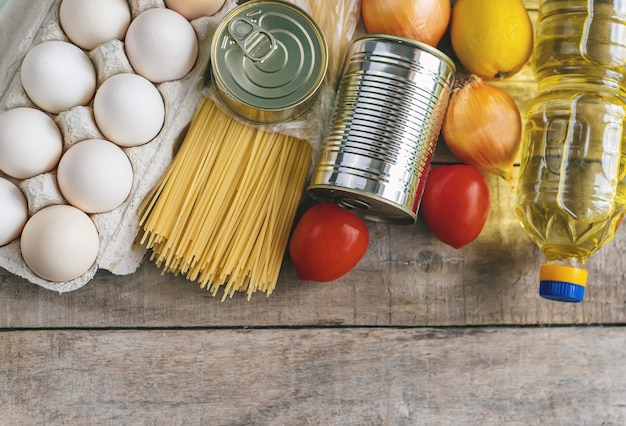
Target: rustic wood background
x=418 y=333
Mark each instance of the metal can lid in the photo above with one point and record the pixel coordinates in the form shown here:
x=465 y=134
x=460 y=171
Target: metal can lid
x=268 y=55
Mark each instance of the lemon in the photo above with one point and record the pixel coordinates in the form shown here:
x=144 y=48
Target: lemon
x=491 y=38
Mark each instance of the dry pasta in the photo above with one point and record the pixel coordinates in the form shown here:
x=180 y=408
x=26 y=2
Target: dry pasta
x=222 y=212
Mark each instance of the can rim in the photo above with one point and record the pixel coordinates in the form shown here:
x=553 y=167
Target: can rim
x=306 y=98
x=397 y=214
x=409 y=41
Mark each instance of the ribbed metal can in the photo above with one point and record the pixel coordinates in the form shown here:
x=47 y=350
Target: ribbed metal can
x=387 y=117
x=268 y=61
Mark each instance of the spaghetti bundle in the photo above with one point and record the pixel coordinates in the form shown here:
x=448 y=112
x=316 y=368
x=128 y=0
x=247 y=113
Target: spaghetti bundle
x=222 y=212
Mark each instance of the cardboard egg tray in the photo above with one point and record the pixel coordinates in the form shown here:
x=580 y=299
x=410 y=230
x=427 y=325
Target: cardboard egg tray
x=24 y=24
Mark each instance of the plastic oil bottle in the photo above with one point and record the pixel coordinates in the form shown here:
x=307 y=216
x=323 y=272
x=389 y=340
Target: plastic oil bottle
x=572 y=192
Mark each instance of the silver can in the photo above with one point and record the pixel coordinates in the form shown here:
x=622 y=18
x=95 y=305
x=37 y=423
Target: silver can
x=387 y=117
x=268 y=61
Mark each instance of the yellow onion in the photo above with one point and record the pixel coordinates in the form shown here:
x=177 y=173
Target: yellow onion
x=421 y=20
x=483 y=127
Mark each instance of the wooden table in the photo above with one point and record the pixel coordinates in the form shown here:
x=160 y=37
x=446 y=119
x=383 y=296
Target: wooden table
x=418 y=333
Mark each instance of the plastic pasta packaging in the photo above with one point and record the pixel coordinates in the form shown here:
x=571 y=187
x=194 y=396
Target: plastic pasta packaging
x=222 y=212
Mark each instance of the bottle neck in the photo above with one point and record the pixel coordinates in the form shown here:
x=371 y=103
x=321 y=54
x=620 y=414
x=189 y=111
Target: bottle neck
x=571 y=262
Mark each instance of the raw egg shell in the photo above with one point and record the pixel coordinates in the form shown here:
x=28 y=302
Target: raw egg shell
x=95 y=176
x=30 y=142
x=129 y=110
x=13 y=211
x=58 y=76
x=161 y=45
x=194 y=9
x=60 y=243
x=91 y=23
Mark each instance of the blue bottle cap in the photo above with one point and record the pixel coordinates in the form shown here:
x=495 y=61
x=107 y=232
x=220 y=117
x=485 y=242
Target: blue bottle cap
x=561 y=292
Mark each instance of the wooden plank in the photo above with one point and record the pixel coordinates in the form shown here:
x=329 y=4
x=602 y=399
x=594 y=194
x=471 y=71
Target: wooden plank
x=314 y=376
x=406 y=278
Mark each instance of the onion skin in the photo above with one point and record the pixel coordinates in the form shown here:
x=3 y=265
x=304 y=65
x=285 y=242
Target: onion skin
x=421 y=20
x=483 y=127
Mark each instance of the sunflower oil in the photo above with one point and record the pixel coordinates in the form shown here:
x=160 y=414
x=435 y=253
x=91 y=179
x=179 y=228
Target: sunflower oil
x=572 y=192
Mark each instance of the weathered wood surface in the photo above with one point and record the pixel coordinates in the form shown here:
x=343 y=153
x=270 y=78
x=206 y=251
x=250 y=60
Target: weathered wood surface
x=407 y=278
x=418 y=333
x=486 y=376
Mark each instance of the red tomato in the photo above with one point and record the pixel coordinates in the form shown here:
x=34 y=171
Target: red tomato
x=327 y=242
x=455 y=203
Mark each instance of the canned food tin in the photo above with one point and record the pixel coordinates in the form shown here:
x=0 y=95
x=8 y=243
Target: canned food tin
x=386 y=121
x=268 y=61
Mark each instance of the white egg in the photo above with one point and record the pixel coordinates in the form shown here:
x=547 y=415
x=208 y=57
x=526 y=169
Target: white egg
x=30 y=142
x=161 y=45
x=91 y=23
x=13 y=211
x=58 y=76
x=95 y=176
x=194 y=9
x=129 y=110
x=59 y=243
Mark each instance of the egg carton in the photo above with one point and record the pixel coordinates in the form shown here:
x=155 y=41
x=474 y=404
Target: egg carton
x=31 y=22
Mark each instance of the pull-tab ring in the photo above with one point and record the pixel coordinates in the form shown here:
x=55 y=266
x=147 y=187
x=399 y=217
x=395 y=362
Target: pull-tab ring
x=256 y=43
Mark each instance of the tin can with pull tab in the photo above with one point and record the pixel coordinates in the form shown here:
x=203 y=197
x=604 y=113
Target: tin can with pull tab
x=268 y=61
